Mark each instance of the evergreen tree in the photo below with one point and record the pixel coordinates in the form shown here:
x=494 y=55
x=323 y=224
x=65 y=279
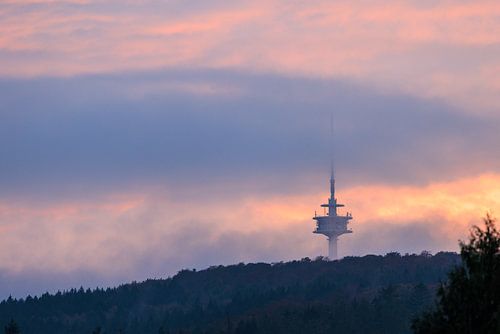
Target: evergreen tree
x=470 y=301
x=12 y=328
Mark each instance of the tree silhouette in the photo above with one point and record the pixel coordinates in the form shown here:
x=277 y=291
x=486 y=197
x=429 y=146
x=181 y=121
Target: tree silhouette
x=470 y=301
x=12 y=328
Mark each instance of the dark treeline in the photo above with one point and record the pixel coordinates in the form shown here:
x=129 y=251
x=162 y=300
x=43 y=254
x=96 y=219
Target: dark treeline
x=370 y=294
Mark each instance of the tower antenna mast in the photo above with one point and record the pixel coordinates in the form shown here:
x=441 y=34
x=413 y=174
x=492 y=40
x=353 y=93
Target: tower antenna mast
x=332 y=160
x=332 y=147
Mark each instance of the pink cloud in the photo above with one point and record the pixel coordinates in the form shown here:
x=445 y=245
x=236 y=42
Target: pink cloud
x=113 y=235
x=399 y=46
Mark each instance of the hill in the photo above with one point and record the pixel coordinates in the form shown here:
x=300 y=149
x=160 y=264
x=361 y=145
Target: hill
x=370 y=294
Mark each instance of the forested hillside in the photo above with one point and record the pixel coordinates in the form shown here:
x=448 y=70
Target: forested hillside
x=370 y=294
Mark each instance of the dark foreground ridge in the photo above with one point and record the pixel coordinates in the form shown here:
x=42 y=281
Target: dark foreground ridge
x=370 y=294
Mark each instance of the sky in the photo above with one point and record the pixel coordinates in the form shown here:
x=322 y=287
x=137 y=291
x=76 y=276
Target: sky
x=138 y=138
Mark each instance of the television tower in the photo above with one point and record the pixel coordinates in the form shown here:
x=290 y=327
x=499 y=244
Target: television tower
x=331 y=223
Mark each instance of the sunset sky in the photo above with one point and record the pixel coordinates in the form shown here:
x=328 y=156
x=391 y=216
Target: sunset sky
x=138 y=138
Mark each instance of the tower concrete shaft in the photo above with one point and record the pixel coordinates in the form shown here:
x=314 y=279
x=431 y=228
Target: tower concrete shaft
x=332 y=248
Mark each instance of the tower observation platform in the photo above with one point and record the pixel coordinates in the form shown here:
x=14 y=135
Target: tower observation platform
x=332 y=224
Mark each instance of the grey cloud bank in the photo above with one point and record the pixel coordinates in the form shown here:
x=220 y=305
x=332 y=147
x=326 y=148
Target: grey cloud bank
x=106 y=133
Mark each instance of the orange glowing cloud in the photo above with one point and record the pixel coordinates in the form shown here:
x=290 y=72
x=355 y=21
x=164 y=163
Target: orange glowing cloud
x=462 y=201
